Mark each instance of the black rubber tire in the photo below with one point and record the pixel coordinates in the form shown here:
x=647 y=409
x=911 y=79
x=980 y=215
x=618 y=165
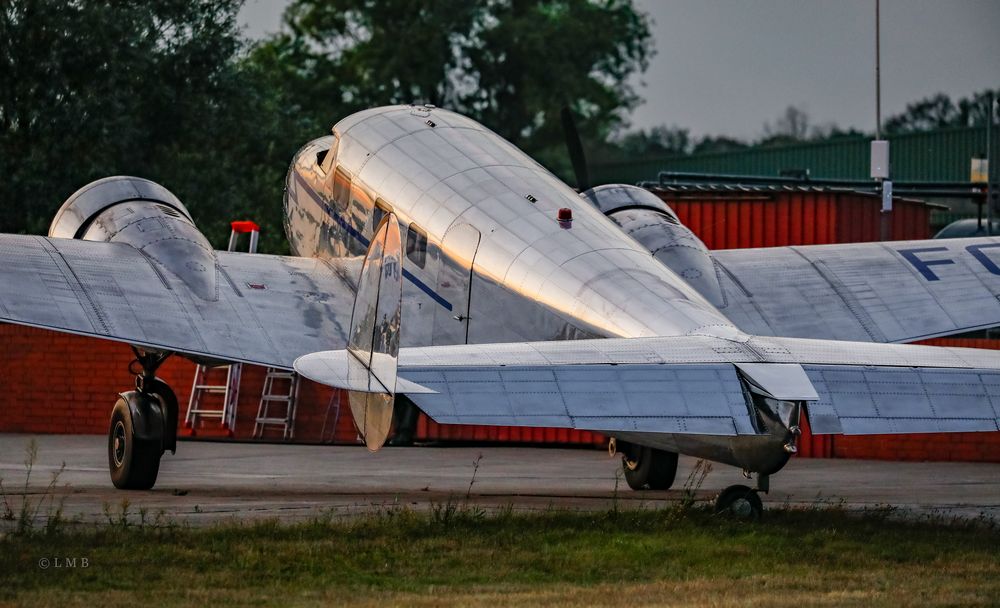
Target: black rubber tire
x=170 y=412
x=654 y=470
x=740 y=502
x=134 y=463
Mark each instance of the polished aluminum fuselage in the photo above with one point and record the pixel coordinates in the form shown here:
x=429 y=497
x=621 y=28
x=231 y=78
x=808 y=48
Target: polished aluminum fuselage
x=499 y=266
x=487 y=258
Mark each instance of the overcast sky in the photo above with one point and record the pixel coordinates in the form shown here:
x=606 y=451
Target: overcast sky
x=724 y=67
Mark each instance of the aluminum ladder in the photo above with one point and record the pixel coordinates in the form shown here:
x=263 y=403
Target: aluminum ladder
x=198 y=410
x=271 y=397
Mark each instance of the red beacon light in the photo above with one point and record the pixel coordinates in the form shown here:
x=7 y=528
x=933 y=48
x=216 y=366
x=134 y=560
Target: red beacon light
x=565 y=217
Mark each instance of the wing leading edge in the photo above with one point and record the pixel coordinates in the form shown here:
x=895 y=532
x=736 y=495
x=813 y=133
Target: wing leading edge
x=267 y=310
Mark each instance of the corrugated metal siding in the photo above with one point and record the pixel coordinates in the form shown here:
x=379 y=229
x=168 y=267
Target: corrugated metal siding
x=795 y=218
x=942 y=155
x=428 y=430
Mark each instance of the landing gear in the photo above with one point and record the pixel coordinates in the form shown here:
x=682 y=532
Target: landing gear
x=646 y=468
x=740 y=502
x=143 y=426
x=134 y=462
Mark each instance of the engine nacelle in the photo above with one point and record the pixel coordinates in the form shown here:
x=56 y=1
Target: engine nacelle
x=647 y=219
x=148 y=217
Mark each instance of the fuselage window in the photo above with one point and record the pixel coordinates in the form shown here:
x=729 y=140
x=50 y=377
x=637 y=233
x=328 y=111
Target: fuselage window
x=381 y=210
x=416 y=246
x=341 y=189
x=361 y=205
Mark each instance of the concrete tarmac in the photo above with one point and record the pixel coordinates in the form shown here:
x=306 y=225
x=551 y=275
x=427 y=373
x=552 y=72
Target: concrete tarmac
x=212 y=481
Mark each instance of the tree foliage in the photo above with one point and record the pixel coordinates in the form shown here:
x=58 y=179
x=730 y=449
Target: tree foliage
x=657 y=141
x=93 y=88
x=171 y=91
x=794 y=125
x=510 y=64
x=940 y=112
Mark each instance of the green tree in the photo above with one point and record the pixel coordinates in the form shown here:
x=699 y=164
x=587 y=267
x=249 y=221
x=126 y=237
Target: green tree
x=940 y=112
x=511 y=64
x=91 y=88
x=720 y=143
x=657 y=141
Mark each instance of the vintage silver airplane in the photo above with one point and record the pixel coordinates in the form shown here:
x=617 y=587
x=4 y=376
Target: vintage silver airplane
x=517 y=301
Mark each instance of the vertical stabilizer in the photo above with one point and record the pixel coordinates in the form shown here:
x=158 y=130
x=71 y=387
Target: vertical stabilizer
x=373 y=343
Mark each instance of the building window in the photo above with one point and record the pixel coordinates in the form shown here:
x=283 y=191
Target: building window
x=416 y=246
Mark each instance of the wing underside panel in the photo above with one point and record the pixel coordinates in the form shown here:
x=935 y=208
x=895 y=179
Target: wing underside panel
x=858 y=400
x=694 y=399
x=684 y=385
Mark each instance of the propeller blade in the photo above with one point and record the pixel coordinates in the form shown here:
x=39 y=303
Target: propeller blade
x=575 y=148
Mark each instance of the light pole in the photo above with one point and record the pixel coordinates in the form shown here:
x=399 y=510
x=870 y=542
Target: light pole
x=878 y=72
x=990 y=191
x=879 y=147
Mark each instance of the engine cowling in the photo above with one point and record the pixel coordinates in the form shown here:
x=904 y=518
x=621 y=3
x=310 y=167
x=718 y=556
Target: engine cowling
x=147 y=216
x=650 y=221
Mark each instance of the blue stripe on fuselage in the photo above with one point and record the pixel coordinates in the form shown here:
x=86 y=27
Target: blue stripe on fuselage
x=361 y=239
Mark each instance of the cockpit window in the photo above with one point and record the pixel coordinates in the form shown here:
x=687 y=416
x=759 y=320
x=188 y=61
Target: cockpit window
x=341 y=189
x=416 y=245
x=330 y=155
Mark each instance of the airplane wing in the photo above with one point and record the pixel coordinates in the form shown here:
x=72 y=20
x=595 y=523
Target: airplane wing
x=268 y=310
x=899 y=291
x=696 y=384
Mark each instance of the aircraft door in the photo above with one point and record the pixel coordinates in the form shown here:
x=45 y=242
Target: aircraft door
x=454 y=284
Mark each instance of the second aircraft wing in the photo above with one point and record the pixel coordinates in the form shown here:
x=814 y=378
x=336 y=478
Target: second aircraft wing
x=896 y=291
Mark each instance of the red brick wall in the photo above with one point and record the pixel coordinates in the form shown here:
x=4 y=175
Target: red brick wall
x=58 y=383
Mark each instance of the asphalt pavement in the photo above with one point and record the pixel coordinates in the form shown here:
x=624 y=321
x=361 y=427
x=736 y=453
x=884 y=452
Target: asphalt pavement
x=211 y=481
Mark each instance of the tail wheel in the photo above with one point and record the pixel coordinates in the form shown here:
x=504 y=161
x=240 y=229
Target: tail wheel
x=134 y=462
x=649 y=468
x=740 y=502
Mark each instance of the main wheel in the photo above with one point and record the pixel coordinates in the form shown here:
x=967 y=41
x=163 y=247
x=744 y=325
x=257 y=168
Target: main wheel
x=740 y=502
x=649 y=468
x=134 y=462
